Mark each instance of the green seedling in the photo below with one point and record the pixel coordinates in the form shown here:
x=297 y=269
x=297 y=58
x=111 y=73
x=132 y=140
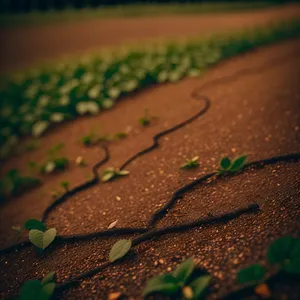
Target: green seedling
x=65 y=185
x=90 y=139
x=146 y=119
x=14 y=184
x=55 y=165
x=111 y=173
x=119 y=249
x=55 y=162
x=226 y=165
x=283 y=254
x=121 y=135
x=184 y=282
x=80 y=161
x=39 y=235
x=39 y=290
x=191 y=163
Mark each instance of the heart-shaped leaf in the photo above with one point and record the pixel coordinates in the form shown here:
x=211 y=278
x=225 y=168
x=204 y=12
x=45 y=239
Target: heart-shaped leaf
x=238 y=163
x=225 y=163
x=166 y=284
x=119 y=249
x=200 y=285
x=34 y=224
x=48 y=278
x=184 y=270
x=42 y=239
x=253 y=273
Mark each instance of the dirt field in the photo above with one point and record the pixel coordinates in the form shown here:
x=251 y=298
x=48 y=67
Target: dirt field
x=23 y=47
x=255 y=113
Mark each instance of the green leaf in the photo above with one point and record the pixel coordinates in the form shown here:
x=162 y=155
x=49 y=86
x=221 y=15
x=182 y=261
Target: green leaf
x=34 y=224
x=48 y=278
x=30 y=290
x=238 y=163
x=225 y=163
x=165 y=284
x=184 y=270
x=42 y=239
x=281 y=250
x=200 y=285
x=122 y=172
x=253 y=273
x=107 y=176
x=119 y=249
x=46 y=291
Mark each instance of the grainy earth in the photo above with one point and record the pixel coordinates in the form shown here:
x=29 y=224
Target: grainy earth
x=256 y=114
x=22 y=47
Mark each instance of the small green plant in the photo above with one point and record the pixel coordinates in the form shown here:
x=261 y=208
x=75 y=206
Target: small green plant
x=226 y=165
x=89 y=139
x=119 y=249
x=191 y=163
x=38 y=233
x=183 y=281
x=121 y=135
x=39 y=290
x=65 y=185
x=55 y=161
x=111 y=173
x=146 y=119
x=80 y=161
x=283 y=254
x=55 y=165
x=14 y=184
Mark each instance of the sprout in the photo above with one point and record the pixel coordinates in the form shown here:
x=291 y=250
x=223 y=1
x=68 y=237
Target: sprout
x=80 y=161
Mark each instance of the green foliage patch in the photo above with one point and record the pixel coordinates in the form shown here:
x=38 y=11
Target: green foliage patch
x=283 y=253
x=15 y=184
x=34 y=102
x=39 y=290
x=180 y=282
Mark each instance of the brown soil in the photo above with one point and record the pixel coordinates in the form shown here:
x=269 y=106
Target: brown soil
x=256 y=114
x=22 y=47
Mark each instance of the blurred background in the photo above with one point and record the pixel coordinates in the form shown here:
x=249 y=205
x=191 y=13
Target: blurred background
x=37 y=31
